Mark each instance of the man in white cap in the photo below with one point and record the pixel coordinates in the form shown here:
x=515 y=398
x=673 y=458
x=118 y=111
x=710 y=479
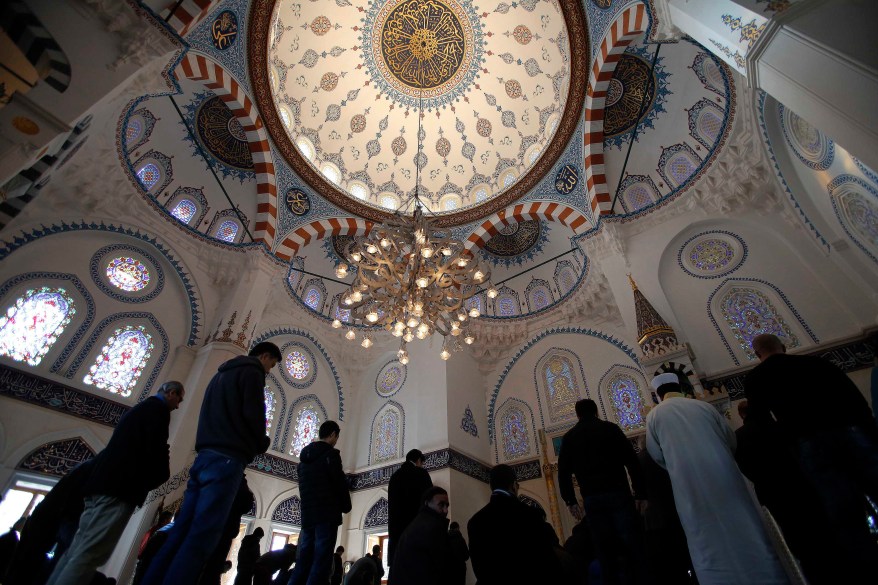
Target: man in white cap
x=724 y=530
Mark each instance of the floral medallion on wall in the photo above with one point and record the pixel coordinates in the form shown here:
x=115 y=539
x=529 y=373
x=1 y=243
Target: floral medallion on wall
x=811 y=146
x=390 y=378
x=712 y=254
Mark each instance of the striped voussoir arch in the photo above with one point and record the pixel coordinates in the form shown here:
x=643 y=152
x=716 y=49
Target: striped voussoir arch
x=548 y=210
x=317 y=230
x=188 y=13
x=627 y=27
x=37 y=44
x=198 y=67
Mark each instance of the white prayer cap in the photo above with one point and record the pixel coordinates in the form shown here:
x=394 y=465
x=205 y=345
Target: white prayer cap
x=662 y=379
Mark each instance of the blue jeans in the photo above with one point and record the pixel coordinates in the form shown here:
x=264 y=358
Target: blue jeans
x=314 y=555
x=617 y=534
x=213 y=482
x=842 y=465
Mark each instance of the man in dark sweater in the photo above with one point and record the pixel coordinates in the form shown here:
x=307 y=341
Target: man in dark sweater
x=407 y=485
x=325 y=497
x=135 y=461
x=820 y=415
x=598 y=453
x=231 y=432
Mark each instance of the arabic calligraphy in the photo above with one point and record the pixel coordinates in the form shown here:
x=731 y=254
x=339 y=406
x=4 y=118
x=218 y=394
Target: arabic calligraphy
x=224 y=30
x=423 y=43
x=566 y=179
x=298 y=202
x=58 y=457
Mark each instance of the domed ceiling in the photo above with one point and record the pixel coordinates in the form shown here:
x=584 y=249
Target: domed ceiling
x=347 y=80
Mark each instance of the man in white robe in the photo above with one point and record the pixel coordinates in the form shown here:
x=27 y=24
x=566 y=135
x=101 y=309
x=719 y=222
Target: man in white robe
x=727 y=540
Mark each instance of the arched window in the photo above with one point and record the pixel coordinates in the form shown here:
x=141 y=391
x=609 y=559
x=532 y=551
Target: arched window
x=149 y=176
x=185 y=210
x=506 y=303
x=749 y=313
x=305 y=147
x=387 y=434
x=121 y=361
x=227 y=231
x=295 y=276
x=565 y=277
x=562 y=389
x=377 y=514
x=33 y=323
x=509 y=179
x=514 y=432
x=314 y=294
x=288 y=511
x=359 y=190
x=307 y=425
x=270 y=409
x=538 y=295
x=331 y=172
x=624 y=393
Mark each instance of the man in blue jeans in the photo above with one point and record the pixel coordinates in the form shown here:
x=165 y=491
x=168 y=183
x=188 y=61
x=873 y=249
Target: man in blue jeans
x=231 y=432
x=323 y=488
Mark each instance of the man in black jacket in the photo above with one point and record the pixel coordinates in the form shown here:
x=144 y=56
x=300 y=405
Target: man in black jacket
x=407 y=485
x=135 y=461
x=495 y=545
x=598 y=453
x=820 y=415
x=325 y=497
x=231 y=432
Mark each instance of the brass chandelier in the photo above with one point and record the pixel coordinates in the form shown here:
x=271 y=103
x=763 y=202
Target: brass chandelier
x=413 y=280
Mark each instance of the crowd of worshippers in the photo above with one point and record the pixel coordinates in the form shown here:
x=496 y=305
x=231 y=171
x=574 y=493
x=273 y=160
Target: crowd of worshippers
x=679 y=511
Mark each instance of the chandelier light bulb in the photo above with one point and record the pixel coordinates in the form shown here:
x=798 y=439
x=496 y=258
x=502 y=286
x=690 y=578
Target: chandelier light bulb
x=421 y=334
x=424 y=327
x=396 y=332
x=474 y=312
x=462 y=262
x=492 y=293
x=445 y=354
x=422 y=282
x=479 y=276
x=372 y=248
x=350 y=335
x=356 y=296
x=455 y=328
x=468 y=339
x=446 y=251
x=412 y=322
x=426 y=252
x=399 y=326
x=385 y=243
x=408 y=336
x=356 y=256
x=372 y=316
x=348 y=301
x=336 y=324
x=366 y=343
x=461 y=316
x=341 y=270
x=403 y=356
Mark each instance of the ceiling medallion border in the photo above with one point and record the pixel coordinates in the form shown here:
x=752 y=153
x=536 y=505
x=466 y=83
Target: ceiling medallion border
x=259 y=31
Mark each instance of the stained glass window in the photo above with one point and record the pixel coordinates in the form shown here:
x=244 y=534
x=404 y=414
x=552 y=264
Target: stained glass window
x=184 y=210
x=134 y=129
x=562 y=389
x=627 y=402
x=270 y=408
x=391 y=378
x=475 y=302
x=534 y=155
x=481 y=195
x=342 y=314
x=149 y=176
x=297 y=365
x=306 y=429
x=312 y=298
x=566 y=280
x=514 y=433
x=127 y=274
x=509 y=179
x=33 y=323
x=385 y=435
x=539 y=298
x=121 y=360
x=227 y=231
x=451 y=203
x=749 y=313
x=507 y=306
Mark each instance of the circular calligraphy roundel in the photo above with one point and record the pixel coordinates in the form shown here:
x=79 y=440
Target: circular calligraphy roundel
x=424 y=46
x=298 y=202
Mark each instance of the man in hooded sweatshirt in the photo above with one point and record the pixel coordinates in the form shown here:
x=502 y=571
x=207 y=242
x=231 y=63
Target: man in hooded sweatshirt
x=231 y=432
x=325 y=497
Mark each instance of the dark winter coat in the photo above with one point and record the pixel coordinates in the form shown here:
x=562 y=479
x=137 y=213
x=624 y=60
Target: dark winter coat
x=460 y=554
x=362 y=572
x=272 y=562
x=407 y=485
x=323 y=486
x=498 y=553
x=425 y=555
x=337 y=570
x=232 y=418
x=598 y=452
x=136 y=460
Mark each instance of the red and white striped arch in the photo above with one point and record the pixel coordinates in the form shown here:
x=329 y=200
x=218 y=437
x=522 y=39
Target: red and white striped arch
x=214 y=76
x=548 y=210
x=317 y=230
x=189 y=13
x=628 y=26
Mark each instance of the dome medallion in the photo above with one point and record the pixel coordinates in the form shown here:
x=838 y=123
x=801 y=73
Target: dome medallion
x=341 y=90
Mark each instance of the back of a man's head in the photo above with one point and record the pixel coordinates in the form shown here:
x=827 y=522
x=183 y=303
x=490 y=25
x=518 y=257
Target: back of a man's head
x=767 y=345
x=586 y=408
x=339 y=550
x=327 y=428
x=454 y=526
x=266 y=347
x=414 y=456
x=502 y=478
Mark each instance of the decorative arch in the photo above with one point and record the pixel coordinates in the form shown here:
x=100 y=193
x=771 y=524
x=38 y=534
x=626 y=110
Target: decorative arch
x=215 y=77
x=517 y=431
x=288 y=511
x=560 y=382
x=56 y=458
x=628 y=26
x=278 y=424
x=83 y=433
x=623 y=386
x=387 y=435
x=760 y=299
x=187 y=14
x=37 y=44
x=548 y=210
x=314 y=294
x=565 y=276
x=102 y=332
x=318 y=230
x=538 y=295
x=304 y=419
x=197 y=199
x=492 y=404
x=377 y=514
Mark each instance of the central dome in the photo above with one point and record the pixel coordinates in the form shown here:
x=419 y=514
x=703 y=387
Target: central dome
x=372 y=97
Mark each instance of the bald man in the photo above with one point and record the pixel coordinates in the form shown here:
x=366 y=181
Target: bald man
x=827 y=424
